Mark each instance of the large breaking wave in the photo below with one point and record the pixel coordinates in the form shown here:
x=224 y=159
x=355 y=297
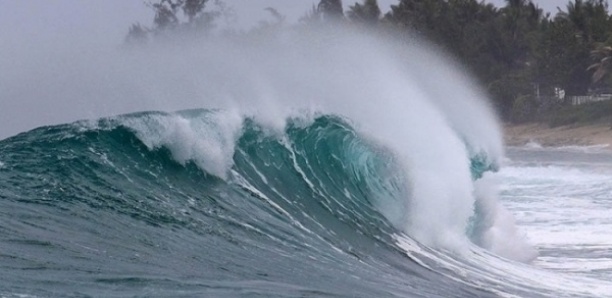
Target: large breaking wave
x=328 y=164
x=211 y=203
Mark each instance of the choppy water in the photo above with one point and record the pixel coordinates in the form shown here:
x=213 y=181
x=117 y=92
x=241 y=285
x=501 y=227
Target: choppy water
x=562 y=200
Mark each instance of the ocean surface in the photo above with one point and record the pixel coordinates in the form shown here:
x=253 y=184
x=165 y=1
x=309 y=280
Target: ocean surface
x=130 y=206
x=562 y=201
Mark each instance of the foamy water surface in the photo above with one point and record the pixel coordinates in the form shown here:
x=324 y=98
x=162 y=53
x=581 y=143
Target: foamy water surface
x=562 y=200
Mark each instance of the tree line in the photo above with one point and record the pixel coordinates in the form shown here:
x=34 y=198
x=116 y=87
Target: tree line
x=518 y=53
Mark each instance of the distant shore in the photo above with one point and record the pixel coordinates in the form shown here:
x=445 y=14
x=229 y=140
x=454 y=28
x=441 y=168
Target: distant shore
x=570 y=135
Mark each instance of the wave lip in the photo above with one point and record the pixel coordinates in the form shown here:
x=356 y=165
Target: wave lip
x=204 y=137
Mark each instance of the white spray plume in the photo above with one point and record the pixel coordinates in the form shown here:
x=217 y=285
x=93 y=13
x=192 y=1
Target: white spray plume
x=405 y=97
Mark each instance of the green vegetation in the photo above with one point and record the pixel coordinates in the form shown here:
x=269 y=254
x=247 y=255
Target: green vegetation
x=194 y=21
x=525 y=59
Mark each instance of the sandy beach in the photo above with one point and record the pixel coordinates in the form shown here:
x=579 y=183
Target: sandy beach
x=582 y=135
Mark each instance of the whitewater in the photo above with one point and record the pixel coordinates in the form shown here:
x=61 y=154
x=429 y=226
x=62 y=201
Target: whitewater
x=305 y=162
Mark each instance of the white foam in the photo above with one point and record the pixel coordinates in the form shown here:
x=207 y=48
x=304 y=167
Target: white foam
x=208 y=141
x=479 y=269
x=533 y=145
x=502 y=236
x=564 y=210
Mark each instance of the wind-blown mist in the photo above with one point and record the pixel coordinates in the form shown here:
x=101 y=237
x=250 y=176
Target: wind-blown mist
x=406 y=98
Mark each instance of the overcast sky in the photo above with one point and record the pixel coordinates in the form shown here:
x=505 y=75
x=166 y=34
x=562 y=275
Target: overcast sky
x=34 y=28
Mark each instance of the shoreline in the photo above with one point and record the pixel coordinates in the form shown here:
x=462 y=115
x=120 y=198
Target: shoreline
x=569 y=135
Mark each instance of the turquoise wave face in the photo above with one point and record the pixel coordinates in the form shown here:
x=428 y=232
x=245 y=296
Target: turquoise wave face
x=91 y=209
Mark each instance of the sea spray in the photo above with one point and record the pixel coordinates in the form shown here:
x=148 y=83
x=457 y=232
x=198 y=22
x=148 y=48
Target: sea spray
x=399 y=96
x=208 y=139
x=498 y=232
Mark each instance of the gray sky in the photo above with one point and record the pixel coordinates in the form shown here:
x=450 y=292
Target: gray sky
x=31 y=29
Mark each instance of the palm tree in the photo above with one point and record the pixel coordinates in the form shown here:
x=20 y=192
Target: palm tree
x=588 y=17
x=330 y=9
x=423 y=17
x=602 y=55
x=137 y=35
x=192 y=8
x=367 y=13
x=165 y=15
